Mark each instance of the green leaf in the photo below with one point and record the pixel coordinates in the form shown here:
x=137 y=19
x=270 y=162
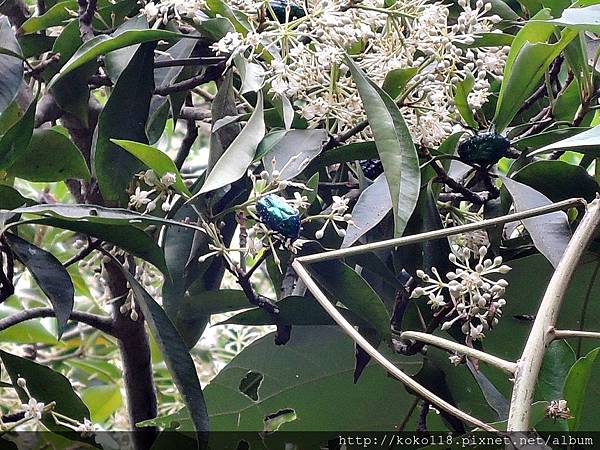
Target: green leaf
x=103 y=401
x=526 y=63
x=11 y=67
x=49 y=274
x=128 y=237
x=558 y=359
x=292 y=151
x=396 y=80
x=11 y=198
x=252 y=75
x=550 y=233
x=50 y=156
x=116 y=62
x=394 y=145
x=45 y=385
x=57 y=15
x=461 y=95
x=238 y=19
x=206 y=303
x=232 y=165
x=155 y=160
x=14 y=143
x=344 y=153
x=175 y=352
x=373 y=204
x=103 y=44
x=124 y=117
x=349 y=288
x=293 y=310
x=587 y=142
x=547 y=137
x=295 y=377
x=558 y=180
x=29 y=332
x=583 y=19
x=577 y=389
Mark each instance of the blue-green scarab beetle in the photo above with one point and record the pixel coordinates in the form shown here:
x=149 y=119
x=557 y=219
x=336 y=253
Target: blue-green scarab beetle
x=279 y=6
x=485 y=149
x=279 y=215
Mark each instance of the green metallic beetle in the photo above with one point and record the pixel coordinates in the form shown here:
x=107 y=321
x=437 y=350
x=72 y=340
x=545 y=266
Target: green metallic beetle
x=279 y=215
x=279 y=6
x=485 y=149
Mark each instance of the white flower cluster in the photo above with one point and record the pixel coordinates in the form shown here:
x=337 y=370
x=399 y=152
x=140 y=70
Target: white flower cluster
x=147 y=200
x=159 y=12
x=307 y=58
x=476 y=298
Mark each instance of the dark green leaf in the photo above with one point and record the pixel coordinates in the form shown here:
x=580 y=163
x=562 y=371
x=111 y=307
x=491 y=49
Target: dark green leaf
x=49 y=274
x=587 y=142
x=581 y=387
x=396 y=80
x=345 y=153
x=14 y=143
x=550 y=233
x=57 y=15
x=45 y=385
x=349 y=288
x=394 y=145
x=51 y=156
x=232 y=165
x=461 y=96
x=176 y=355
x=11 y=198
x=547 y=137
x=558 y=180
x=558 y=359
x=11 y=67
x=124 y=117
x=293 y=310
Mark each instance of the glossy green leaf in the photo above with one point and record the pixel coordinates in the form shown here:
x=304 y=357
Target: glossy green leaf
x=293 y=310
x=10 y=198
x=103 y=44
x=394 y=145
x=14 y=143
x=373 y=204
x=550 y=233
x=461 y=99
x=547 y=137
x=583 y=19
x=295 y=377
x=580 y=390
x=558 y=180
x=49 y=274
x=156 y=160
x=56 y=15
x=176 y=355
x=45 y=385
x=232 y=165
x=293 y=151
x=252 y=75
x=124 y=117
x=587 y=142
x=349 y=288
x=558 y=359
x=50 y=156
x=344 y=153
x=526 y=63
x=103 y=401
x=116 y=61
x=11 y=67
x=125 y=236
x=396 y=80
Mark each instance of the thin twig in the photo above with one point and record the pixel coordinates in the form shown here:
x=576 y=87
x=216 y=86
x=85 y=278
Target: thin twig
x=87 y=9
x=530 y=362
x=565 y=334
x=84 y=253
x=101 y=323
x=200 y=61
x=372 y=351
x=447 y=344
x=191 y=134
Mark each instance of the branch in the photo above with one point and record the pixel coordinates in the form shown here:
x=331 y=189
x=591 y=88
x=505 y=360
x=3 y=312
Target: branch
x=540 y=336
x=16 y=11
x=372 y=351
x=194 y=113
x=210 y=74
x=191 y=134
x=87 y=9
x=565 y=334
x=101 y=323
x=200 y=61
x=447 y=344
x=87 y=250
x=442 y=233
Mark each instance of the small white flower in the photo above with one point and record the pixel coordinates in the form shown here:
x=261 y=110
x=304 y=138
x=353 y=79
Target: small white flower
x=139 y=199
x=168 y=179
x=150 y=177
x=33 y=408
x=87 y=428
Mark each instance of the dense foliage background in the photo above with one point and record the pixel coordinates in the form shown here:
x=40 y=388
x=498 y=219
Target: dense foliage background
x=162 y=165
